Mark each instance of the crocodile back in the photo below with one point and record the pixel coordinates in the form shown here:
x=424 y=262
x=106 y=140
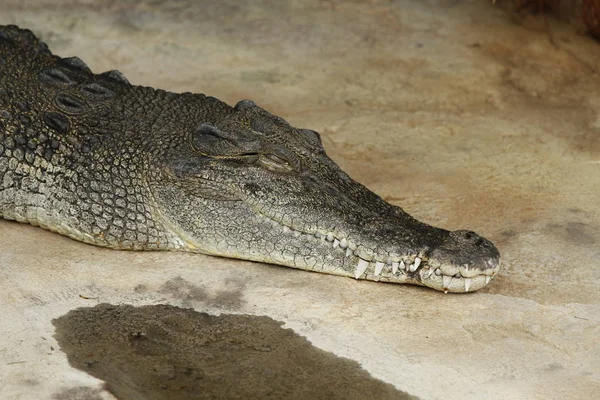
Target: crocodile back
x=76 y=148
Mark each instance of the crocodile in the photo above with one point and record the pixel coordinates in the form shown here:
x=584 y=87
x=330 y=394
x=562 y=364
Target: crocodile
x=127 y=167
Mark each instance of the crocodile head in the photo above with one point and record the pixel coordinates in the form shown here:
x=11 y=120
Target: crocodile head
x=251 y=186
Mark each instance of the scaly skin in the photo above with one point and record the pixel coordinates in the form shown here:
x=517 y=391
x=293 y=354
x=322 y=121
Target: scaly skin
x=129 y=167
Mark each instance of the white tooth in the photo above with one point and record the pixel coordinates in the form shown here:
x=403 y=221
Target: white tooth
x=330 y=237
x=467 y=284
x=361 y=268
x=348 y=252
x=487 y=279
x=438 y=272
x=389 y=261
x=402 y=266
x=286 y=229
x=413 y=267
x=336 y=244
x=343 y=243
x=378 y=268
x=394 y=267
x=297 y=233
x=446 y=281
x=417 y=262
x=428 y=273
x=317 y=235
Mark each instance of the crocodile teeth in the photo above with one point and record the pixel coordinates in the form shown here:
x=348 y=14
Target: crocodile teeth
x=438 y=272
x=428 y=273
x=348 y=252
x=417 y=262
x=402 y=266
x=343 y=243
x=394 y=267
x=336 y=244
x=413 y=267
x=378 y=268
x=330 y=237
x=446 y=281
x=467 y=284
x=487 y=279
x=361 y=268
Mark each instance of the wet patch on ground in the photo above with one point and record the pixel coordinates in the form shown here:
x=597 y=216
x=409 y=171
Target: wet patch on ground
x=167 y=352
x=78 y=393
x=576 y=233
x=191 y=294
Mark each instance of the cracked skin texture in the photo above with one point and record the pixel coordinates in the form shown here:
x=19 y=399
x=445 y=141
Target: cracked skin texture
x=135 y=168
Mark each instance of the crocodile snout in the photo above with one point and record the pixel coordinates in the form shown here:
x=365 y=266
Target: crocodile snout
x=464 y=261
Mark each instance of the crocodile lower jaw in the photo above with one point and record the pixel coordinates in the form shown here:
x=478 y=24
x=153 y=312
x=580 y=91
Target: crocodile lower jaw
x=410 y=268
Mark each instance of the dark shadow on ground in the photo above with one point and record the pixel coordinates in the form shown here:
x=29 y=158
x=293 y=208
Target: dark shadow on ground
x=166 y=352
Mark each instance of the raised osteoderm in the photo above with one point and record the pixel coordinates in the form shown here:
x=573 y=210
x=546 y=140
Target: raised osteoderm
x=128 y=167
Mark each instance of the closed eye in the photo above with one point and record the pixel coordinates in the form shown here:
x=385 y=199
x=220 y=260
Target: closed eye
x=274 y=163
x=275 y=158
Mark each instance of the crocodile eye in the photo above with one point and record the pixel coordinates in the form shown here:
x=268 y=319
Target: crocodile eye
x=274 y=162
x=276 y=159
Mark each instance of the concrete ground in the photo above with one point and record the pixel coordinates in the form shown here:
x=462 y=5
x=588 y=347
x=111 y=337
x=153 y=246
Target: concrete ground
x=462 y=115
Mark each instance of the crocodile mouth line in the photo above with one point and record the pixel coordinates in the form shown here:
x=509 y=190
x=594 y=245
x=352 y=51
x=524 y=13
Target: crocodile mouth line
x=412 y=268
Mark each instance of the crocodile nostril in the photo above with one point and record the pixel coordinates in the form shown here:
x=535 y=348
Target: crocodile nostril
x=470 y=237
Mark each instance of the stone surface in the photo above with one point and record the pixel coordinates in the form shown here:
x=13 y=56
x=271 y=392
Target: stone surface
x=464 y=116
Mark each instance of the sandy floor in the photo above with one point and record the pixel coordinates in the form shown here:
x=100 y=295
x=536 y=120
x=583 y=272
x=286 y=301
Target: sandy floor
x=464 y=116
